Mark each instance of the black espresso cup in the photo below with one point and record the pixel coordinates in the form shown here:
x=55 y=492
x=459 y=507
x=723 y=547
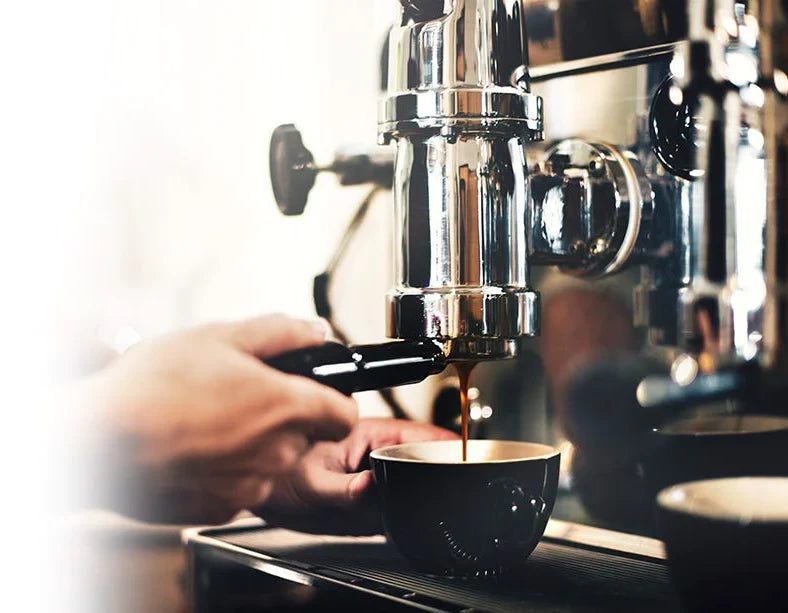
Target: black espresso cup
x=477 y=518
x=715 y=446
x=726 y=542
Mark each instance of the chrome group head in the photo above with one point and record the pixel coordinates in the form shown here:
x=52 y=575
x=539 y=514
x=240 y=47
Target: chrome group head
x=460 y=109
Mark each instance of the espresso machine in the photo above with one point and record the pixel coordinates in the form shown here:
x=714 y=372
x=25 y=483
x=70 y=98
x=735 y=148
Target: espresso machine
x=639 y=146
x=685 y=180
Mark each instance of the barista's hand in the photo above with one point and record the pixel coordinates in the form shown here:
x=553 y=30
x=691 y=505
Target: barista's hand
x=193 y=427
x=329 y=490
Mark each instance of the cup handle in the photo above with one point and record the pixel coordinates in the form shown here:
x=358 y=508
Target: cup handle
x=515 y=522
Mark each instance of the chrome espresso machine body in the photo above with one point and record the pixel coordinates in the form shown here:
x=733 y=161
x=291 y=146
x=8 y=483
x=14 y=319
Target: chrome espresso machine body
x=668 y=156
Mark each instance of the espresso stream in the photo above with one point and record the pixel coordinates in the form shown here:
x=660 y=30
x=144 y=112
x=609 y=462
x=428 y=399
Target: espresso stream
x=464 y=373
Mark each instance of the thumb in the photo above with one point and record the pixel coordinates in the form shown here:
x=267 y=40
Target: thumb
x=270 y=335
x=340 y=490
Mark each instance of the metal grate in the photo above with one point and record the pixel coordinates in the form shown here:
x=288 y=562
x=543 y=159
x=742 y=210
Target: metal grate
x=557 y=577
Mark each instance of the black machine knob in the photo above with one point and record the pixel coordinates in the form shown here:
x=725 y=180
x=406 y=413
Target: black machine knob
x=292 y=169
x=672 y=129
x=422 y=10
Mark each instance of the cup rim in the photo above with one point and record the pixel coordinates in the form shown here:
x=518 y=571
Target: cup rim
x=770 y=424
x=547 y=452
x=690 y=499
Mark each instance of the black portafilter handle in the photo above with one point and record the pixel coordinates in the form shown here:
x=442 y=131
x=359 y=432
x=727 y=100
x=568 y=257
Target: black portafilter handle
x=361 y=368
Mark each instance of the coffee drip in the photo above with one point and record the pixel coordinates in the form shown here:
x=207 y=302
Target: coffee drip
x=464 y=370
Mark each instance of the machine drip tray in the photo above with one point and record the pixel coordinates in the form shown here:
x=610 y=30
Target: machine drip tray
x=558 y=576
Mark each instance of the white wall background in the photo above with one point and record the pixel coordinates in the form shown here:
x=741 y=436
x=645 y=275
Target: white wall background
x=184 y=227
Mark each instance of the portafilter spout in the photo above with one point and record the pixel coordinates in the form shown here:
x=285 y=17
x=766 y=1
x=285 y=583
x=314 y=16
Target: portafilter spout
x=460 y=110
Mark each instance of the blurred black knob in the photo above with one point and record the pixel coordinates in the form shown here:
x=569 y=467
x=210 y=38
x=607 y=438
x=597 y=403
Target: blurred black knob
x=672 y=129
x=292 y=169
x=422 y=10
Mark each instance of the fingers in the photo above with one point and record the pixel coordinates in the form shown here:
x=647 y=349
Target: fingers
x=279 y=419
x=325 y=488
x=244 y=493
x=372 y=434
x=360 y=485
x=271 y=437
x=279 y=452
x=324 y=502
x=358 y=446
x=270 y=335
x=321 y=412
